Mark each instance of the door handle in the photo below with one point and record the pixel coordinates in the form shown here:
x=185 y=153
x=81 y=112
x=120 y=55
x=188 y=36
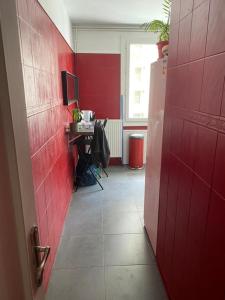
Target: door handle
x=41 y=255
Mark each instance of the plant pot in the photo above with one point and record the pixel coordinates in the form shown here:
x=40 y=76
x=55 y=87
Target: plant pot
x=160 y=46
x=165 y=50
x=73 y=127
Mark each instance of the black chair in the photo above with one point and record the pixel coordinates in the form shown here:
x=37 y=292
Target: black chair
x=104 y=125
x=90 y=157
x=89 y=141
x=105 y=122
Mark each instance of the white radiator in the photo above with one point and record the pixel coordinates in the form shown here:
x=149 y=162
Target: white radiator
x=113 y=132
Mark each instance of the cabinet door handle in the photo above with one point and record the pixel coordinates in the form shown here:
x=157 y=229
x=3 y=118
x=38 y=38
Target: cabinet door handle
x=41 y=255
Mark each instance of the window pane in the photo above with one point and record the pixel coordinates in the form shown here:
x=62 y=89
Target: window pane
x=141 y=57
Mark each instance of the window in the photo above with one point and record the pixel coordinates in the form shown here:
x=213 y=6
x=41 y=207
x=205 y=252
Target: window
x=137 y=97
x=138 y=73
x=141 y=57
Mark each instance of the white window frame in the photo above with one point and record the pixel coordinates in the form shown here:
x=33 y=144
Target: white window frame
x=127 y=120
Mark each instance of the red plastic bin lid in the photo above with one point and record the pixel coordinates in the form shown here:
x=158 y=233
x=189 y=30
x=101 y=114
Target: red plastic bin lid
x=136 y=136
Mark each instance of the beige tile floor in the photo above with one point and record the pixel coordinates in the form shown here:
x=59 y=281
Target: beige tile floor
x=104 y=253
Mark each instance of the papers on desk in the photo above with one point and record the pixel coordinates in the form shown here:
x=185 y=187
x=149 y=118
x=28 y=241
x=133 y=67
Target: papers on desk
x=84 y=126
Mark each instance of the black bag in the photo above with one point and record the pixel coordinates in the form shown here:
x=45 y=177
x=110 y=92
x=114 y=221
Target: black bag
x=84 y=176
x=87 y=179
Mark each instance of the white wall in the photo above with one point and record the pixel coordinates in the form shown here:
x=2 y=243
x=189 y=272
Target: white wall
x=97 y=41
x=108 y=40
x=56 y=10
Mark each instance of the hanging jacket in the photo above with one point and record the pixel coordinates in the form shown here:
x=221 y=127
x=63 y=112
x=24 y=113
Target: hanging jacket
x=99 y=145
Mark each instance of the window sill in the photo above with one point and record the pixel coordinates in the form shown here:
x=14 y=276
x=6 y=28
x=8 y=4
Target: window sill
x=135 y=123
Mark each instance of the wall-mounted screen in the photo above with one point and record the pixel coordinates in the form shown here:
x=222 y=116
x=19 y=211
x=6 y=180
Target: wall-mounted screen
x=70 y=85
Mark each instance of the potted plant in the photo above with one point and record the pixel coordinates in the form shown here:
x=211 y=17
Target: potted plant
x=161 y=27
x=77 y=117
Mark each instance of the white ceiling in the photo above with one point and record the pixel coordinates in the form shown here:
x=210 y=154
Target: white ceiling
x=114 y=12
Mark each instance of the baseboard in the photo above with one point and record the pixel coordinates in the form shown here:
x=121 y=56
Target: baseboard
x=115 y=161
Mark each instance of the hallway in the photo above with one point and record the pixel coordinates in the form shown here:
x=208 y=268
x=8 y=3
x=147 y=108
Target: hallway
x=104 y=253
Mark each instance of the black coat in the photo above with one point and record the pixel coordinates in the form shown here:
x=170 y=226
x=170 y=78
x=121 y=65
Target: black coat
x=99 y=146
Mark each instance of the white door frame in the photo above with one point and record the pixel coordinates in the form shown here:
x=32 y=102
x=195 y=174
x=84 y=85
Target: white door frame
x=17 y=151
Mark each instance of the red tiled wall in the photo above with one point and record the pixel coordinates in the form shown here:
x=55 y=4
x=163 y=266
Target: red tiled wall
x=99 y=83
x=44 y=54
x=191 y=235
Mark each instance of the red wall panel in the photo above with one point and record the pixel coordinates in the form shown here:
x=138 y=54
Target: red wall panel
x=218 y=180
x=191 y=243
x=174 y=32
x=99 y=84
x=44 y=55
x=163 y=197
x=213 y=260
x=135 y=127
x=216 y=32
x=184 y=39
x=185 y=7
x=180 y=238
x=195 y=75
x=199 y=31
x=213 y=84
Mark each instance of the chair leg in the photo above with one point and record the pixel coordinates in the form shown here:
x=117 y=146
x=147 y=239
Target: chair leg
x=96 y=179
x=97 y=164
x=88 y=162
x=98 y=174
x=107 y=175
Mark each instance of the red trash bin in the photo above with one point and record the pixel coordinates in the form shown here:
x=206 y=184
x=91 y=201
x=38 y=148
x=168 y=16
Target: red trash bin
x=136 y=151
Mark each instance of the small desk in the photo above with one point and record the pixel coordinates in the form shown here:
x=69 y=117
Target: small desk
x=73 y=137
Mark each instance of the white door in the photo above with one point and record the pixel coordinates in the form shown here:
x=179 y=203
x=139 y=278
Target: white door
x=21 y=262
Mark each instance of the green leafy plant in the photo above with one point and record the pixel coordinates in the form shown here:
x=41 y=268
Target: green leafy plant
x=76 y=114
x=162 y=27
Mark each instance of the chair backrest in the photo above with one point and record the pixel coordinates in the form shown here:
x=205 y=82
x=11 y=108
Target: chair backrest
x=105 y=122
x=99 y=145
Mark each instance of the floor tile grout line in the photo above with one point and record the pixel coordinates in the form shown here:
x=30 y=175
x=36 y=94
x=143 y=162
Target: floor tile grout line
x=107 y=234
x=134 y=265
x=103 y=253
x=105 y=266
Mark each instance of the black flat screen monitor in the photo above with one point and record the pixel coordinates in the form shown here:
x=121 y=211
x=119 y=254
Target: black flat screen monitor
x=70 y=85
